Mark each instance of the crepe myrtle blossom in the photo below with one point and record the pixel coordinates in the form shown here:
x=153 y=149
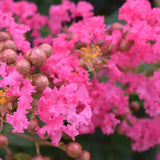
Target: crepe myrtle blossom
x=15 y=87
x=85 y=79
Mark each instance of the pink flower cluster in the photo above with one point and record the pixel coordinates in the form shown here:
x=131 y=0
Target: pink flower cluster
x=74 y=102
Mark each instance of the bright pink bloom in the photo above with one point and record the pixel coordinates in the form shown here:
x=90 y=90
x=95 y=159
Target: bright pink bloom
x=145 y=133
x=59 y=14
x=83 y=9
x=65 y=110
x=18 y=88
x=88 y=30
x=16 y=30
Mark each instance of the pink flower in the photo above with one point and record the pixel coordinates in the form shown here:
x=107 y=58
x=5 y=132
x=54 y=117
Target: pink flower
x=88 y=30
x=60 y=113
x=83 y=9
x=59 y=14
x=134 y=10
x=17 y=31
x=17 y=87
x=107 y=100
x=143 y=132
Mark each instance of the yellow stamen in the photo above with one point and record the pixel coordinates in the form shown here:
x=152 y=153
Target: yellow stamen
x=3 y=98
x=89 y=53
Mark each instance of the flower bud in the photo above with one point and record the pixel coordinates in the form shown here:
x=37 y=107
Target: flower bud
x=9 y=44
x=40 y=81
x=9 y=56
x=37 y=57
x=34 y=123
x=134 y=106
x=34 y=104
x=124 y=45
x=39 y=157
x=115 y=26
x=3 y=141
x=26 y=55
x=85 y=155
x=47 y=49
x=23 y=66
x=74 y=149
x=4 y=36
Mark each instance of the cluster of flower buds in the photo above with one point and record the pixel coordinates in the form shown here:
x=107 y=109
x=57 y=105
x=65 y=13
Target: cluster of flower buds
x=8 y=48
x=36 y=57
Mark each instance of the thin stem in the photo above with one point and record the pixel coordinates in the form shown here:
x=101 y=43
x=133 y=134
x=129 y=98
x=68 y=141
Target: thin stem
x=40 y=141
x=37 y=148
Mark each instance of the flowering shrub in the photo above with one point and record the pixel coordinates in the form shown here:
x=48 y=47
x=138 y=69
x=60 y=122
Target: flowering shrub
x=81 y=76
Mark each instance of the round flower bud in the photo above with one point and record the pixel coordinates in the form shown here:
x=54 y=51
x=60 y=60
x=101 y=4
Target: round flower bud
x=39 y=157
x=47 y=49
x=4 y=36
x=85 y=155
x=34 y=123
x=9 y=56
x=40 y=81
x=37 y=57
x=23 y=66
x=74 y=149
x=124 y=45
x=115 y=26
x=9 y=44
x=3 y=141
x=26 y=55
x=134 y=106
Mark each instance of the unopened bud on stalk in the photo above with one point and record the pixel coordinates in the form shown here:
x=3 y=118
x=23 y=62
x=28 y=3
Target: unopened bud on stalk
x=3 y=141
x=9 y=56
x=4 y=36
x=40 y=81
x=9 y=44
x=37 y=57
x=74 y=149
x=34 y=123
x=47 y=49
x=85 y=155
x=134 y=106
x=23 y=66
